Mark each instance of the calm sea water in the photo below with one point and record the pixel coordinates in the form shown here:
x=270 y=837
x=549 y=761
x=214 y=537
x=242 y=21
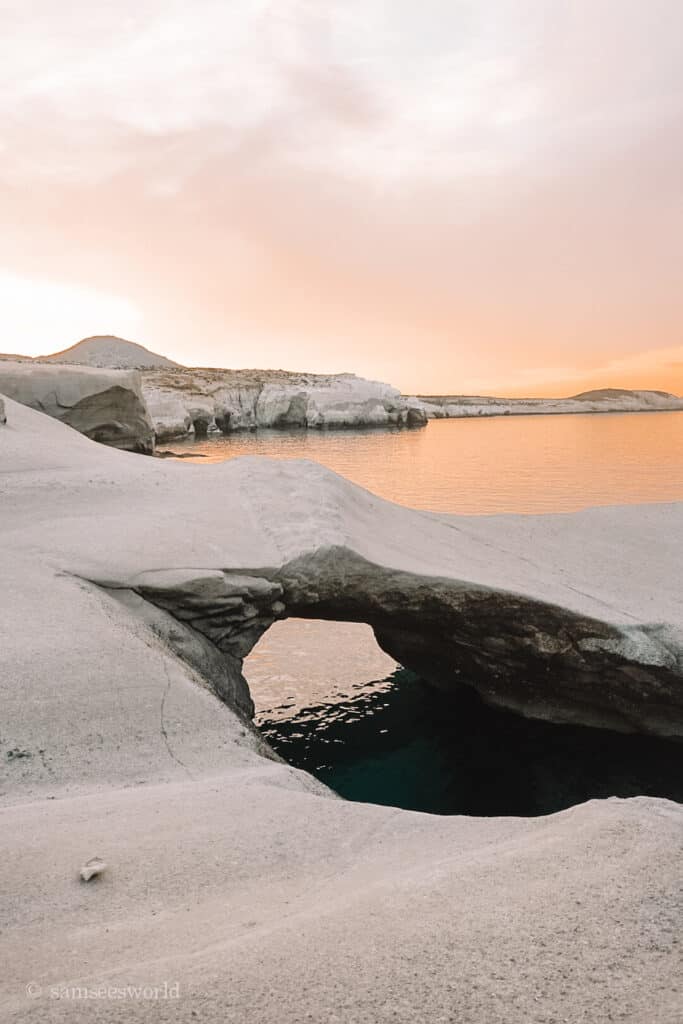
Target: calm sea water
x=331 y=702
x=501 y=464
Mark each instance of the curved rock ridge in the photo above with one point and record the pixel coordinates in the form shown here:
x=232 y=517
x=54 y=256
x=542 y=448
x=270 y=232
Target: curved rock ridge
x=600 y=401
x=183 y=402
x=573 y=618
x=105 y=405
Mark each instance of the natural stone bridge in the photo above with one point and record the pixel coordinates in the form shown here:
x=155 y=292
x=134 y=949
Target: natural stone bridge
x=518 y=652
x=569 y=618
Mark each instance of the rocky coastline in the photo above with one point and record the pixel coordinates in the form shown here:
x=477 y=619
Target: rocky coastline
x=120 y=393
x=183 y=401
x=229 y=876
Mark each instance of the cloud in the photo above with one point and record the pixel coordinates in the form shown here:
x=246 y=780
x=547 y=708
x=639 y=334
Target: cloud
x=493 y=186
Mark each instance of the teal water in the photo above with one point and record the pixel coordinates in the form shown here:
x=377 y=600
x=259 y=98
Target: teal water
x=399 y=742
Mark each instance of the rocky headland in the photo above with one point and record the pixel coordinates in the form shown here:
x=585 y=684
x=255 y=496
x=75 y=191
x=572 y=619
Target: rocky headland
x=601 y=400
x=199 y=401
x=126 y=738
x=182 y=402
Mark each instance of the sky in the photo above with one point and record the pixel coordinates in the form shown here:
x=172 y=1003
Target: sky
x=455 y=196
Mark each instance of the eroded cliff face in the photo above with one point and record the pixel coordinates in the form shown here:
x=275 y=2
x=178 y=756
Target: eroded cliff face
x=535 y=658
x=182 y=402
x=105 y=405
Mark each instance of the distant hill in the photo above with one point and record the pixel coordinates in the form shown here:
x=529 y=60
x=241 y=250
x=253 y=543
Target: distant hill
x=108 y=351
x=600 y=393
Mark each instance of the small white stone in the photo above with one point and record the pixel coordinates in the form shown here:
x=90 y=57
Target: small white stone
x=92 y=868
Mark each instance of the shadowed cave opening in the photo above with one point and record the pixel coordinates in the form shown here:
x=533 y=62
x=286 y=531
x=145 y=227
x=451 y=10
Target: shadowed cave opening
x=331 y=703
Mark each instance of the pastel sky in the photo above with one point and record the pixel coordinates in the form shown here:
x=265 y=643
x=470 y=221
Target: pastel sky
x=450 y=195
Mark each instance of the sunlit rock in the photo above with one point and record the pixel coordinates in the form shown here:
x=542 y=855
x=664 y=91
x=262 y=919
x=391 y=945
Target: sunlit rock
x=182 y=400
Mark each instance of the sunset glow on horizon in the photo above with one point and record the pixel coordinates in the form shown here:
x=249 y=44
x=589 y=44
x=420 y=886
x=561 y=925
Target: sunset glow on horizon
x=455 y=197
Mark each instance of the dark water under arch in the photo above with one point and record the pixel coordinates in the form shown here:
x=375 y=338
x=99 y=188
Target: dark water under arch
x=398 y=741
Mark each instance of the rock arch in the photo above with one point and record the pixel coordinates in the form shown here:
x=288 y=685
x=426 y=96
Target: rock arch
x=524 y=654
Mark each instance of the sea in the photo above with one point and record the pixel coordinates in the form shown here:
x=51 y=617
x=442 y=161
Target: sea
x=331 y=702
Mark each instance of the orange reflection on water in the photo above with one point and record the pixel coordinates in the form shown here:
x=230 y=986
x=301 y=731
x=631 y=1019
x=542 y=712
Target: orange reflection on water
x=488 y=465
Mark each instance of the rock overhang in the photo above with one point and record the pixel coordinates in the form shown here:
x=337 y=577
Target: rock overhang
x=532 y=657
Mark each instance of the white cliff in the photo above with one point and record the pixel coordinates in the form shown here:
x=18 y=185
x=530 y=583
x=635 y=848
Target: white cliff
x=229 y=876
x=184 y=401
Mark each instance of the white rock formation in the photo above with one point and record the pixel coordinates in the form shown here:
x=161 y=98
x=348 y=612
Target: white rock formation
x=604 y=400
x=105 y=405
x=170 y=416
x=181 y=401
x=234 y=877
x=108 y=351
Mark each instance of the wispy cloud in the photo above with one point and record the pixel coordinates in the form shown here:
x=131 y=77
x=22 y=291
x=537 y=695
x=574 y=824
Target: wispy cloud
x=495 y=186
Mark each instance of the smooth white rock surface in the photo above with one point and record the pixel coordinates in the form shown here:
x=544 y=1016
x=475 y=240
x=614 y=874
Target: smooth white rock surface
x=258 y=893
